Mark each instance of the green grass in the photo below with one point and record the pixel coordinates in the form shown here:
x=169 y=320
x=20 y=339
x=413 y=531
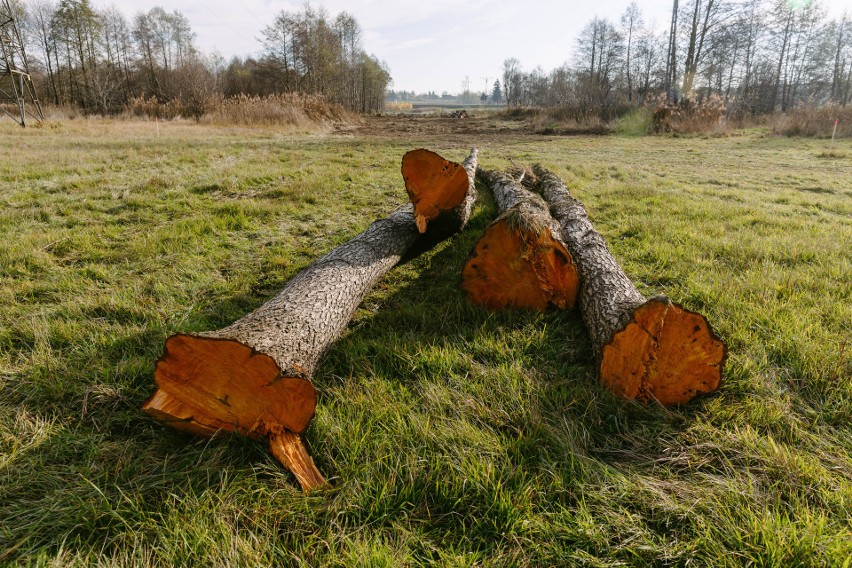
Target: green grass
x=638 y=122
x=454 y=436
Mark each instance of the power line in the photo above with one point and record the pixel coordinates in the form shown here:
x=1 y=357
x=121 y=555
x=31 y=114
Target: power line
x=215 y=15
x=252 y=14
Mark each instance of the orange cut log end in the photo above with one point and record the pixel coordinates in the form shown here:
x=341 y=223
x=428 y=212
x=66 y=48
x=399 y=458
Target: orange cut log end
x=516 y=268
x=665 y=353
x=434 y=185
x=205 y=385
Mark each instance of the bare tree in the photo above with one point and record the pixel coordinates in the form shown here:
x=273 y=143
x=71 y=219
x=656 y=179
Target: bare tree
x=77 y=28
x=512 y=81
x=599 y=49
x=704 y=17
x=39 y=22
x=308 y=51
x=631 y=22
x=649 y=64
x=748 y=29
x=166 y=45
x=671 y=52
x=840 y=33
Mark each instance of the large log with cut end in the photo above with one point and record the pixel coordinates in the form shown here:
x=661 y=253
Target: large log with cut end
x=254 y=376
x=520 y=261
x=441 y=191
x=647 y=349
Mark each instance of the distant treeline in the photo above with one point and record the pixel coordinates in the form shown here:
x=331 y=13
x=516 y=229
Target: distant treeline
x=758 y=56
x=99 y=61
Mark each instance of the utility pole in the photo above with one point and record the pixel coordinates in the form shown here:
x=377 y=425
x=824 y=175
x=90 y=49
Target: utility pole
x=485 y=92
x=16 y=84
x=466 y=89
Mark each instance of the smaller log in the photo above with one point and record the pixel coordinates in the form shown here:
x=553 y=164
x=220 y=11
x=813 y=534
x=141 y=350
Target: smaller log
x=646 y=349
x=441 y=191
x=520 y=261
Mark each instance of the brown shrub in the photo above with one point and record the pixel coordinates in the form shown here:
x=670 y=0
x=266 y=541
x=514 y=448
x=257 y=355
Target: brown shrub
x=398 y=106
x=688 y=116
x=152 y=108
x=562 y=120
x=292 y=109
x=818 y=122
x=519 y=113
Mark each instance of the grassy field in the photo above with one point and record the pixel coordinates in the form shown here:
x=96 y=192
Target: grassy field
x=454 y=436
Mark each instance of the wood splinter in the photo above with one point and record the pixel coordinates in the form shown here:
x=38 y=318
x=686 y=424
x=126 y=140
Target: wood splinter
x=520 y=261
x=647 y=349
x=254 y=376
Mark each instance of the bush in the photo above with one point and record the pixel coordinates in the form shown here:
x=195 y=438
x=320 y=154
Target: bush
x=152 y=108
x=568 y=113
x=637 y=122
x=292 y=109
x=285 y=108
x=688 y=116
x=592 y=125
x=557 y=120
x=519 y=113
x=818 y=122
x=399 y=106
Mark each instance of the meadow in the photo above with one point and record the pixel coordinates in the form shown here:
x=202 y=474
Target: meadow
x=453 y=436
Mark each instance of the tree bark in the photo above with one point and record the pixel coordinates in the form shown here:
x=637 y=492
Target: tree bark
x=646 y=349
x=520 y=261
x=254 y=376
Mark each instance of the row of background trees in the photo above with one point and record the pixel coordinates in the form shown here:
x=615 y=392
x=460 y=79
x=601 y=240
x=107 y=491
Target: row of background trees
x=97 y=60
x=757 y=55
x=760 y=55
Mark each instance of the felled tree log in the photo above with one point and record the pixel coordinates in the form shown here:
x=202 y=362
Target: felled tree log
x=254 y=376
x=441 y=191
x=520 y=261
x=646 y=349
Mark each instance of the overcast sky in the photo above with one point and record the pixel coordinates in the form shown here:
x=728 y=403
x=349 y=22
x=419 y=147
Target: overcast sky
x=429 y=45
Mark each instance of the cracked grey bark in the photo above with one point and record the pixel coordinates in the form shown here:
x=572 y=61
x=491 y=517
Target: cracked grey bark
x=254 y=375
x=647 y=349
x=607 y=296
x=510 y=193
x=297 y=326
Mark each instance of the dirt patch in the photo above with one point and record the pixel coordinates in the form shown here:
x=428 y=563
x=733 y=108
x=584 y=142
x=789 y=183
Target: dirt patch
x=416 y=126
x=490 y=126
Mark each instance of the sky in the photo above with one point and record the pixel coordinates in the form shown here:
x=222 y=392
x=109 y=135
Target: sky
x=429 y=45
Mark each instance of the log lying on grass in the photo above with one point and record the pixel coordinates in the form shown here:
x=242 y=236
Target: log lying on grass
x=254 y=376
x=647 y=349
x=520 y=260
x=441 y=191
